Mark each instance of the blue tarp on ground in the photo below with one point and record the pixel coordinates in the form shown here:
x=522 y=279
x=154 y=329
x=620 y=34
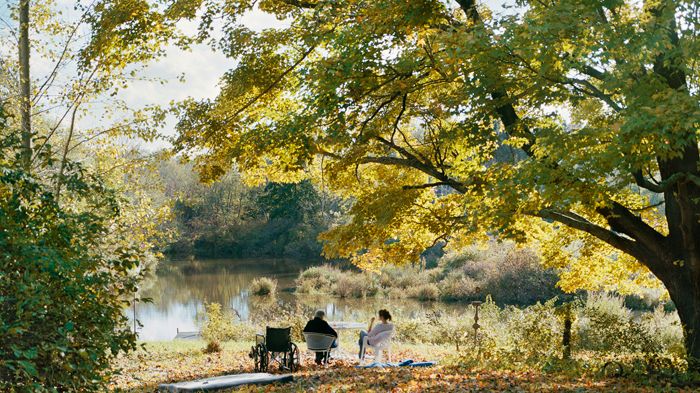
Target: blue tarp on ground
x=225 y=382
x=405 y=363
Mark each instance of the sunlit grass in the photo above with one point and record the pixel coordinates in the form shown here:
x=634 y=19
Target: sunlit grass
x=184 y=360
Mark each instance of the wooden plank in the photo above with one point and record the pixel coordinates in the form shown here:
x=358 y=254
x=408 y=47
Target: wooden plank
x=188 y=335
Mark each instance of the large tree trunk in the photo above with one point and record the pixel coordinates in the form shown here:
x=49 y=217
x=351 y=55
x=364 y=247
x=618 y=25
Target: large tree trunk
x=682 y=209
x=689 y=312
x=685 y=293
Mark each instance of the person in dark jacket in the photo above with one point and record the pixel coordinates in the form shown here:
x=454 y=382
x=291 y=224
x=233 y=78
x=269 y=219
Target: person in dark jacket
x=319 y=325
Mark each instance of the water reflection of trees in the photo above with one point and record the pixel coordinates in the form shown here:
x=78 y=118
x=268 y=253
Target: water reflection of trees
x=181 y=289
x=193 y=265
x=221 y=281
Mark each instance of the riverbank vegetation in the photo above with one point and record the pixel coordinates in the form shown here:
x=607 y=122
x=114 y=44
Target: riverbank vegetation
x=608 y=344
x=508 y=274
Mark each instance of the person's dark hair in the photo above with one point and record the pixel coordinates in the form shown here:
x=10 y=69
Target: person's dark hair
x=385 y=314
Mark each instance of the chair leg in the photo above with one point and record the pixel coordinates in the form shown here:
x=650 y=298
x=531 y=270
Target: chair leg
x=363 y=350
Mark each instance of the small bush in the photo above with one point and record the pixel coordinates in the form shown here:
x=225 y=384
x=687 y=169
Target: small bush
x=318 y=279
x=511 y=275
x=425 y=292
x=457 y=260
x=407 y=280
x=536 y=333
x=665 y=327
x=515 y=276
x=347 y=287
x=212 y=347
x=610 y=329
x=432 y=275
x=414 y=331
x=263 y=286
x=218 y=327
x=457 y=287
x=307 y=287
x=371 y=288
x=450 y=329
x=395 y=293
x=355 y=285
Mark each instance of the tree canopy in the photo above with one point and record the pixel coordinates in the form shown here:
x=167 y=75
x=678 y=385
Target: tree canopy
x=570 y=124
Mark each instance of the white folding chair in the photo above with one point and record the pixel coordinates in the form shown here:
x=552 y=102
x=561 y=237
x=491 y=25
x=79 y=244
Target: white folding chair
x=382 y=343
x=318 y=342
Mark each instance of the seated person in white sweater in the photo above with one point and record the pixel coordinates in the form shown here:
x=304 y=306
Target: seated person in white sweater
x=378 y=333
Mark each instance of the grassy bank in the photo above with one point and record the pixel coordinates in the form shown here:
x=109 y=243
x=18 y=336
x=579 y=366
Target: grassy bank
x=517 y=348
x=167 y=362
x=171 y=361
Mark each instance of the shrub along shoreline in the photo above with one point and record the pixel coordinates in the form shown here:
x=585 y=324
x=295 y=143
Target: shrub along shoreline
x=601 y=330
x=509 y=275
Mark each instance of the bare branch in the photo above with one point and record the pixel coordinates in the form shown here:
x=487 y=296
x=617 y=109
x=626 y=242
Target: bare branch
x=52 y=75
x=376 y=112
x=77 y=99
x=64 y=158
x=10 y=28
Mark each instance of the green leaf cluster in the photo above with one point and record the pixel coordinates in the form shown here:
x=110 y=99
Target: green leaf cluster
x=63 y=287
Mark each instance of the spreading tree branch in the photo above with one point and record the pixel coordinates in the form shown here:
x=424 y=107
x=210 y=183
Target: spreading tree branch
x=577 y=222
x=426 y=185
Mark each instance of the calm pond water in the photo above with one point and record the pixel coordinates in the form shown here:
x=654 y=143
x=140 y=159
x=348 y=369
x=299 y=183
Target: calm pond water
x=180 y=289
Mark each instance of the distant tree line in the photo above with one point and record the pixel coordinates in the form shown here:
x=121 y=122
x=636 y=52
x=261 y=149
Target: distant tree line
x=230 y=219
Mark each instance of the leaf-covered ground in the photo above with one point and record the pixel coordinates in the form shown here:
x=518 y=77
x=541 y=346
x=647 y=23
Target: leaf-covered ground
x=143 y=370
